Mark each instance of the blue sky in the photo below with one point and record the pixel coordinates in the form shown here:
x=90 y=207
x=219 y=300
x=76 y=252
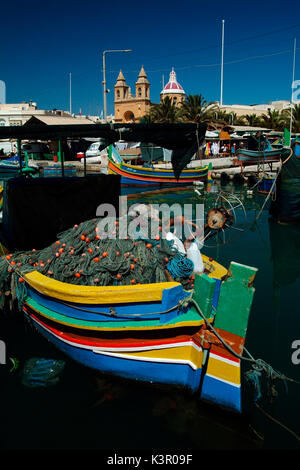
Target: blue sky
x=42 y=43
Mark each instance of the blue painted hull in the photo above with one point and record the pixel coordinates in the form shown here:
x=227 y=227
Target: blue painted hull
x=147 y=371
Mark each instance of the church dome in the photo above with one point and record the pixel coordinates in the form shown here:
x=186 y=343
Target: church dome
x=172 y=86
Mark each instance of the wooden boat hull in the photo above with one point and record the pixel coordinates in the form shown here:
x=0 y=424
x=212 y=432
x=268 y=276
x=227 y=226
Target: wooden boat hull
x=254 y=157
x=133 y=175
x=145 y=332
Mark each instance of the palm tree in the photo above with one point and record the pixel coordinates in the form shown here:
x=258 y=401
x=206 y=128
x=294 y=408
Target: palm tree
x=228 y=118
x=251 y=119
x=286 y=116
x=147 y=119
x=196 y=109
x=163 y=112
x=273 y=119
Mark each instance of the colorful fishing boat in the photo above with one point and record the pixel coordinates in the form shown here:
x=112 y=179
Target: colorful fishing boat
x=135 y=175
x=253 y=157
x=11 y=167
x=153 y=332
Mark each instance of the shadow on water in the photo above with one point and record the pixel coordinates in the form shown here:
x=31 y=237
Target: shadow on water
x=85 y=410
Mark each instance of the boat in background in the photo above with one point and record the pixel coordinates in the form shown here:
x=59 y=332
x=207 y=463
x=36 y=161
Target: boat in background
x=10 y=167
x=138 y=175
x=253 y=157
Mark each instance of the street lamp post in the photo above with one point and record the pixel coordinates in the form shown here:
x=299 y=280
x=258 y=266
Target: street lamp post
x=104 y=78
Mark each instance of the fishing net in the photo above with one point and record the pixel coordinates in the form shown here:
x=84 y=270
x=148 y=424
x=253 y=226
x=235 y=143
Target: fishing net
x=81 y=256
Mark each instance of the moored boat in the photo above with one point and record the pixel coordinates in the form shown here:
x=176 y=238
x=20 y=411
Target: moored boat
x=147 y=332
x=158 y=332
x=138 y=175
x=11 y=167
x=248 y=157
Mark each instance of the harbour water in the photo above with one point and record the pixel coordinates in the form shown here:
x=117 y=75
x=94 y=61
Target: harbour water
x=88 y=411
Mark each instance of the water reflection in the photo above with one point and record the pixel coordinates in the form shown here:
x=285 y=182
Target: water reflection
x=285 y=252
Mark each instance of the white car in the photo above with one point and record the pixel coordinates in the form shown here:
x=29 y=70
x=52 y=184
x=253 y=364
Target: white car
x=93 y=154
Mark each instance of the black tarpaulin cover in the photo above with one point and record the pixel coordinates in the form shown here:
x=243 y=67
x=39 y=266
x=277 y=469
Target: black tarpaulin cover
x=183 y=139
x=35 y=210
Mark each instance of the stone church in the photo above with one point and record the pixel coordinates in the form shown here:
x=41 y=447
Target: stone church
x=129 y=107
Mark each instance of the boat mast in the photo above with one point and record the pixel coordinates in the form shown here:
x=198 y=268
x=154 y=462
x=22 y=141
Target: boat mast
x=293 y=79
x=221 y=95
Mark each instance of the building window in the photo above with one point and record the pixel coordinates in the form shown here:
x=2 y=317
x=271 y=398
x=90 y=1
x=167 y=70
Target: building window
x=139 y=92
x=124 y=94
x=118 y=94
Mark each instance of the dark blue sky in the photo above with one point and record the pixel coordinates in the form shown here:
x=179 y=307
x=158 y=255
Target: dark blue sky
x=42 y=43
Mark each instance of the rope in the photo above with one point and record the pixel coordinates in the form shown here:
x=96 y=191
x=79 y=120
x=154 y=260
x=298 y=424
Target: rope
x=114 y=313
x=259 y=364
x=278 y=422
x=291 y=153
x=180 y=267
x=268 y=196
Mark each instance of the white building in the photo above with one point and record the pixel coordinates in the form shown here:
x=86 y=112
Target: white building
x=16 y=114
x=258 y=109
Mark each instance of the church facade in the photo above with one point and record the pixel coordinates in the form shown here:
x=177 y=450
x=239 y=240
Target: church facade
x=130 y=108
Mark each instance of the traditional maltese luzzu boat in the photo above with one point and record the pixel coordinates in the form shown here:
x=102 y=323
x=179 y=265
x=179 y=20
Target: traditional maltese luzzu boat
x=158 y=332
x=138 y=175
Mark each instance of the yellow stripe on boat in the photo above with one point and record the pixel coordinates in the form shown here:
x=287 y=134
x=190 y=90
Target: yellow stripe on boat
x=97 y=295
x=224 y=369
x=215 y=269
x=159 y=170
x=187 y=354
x=110 y=294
